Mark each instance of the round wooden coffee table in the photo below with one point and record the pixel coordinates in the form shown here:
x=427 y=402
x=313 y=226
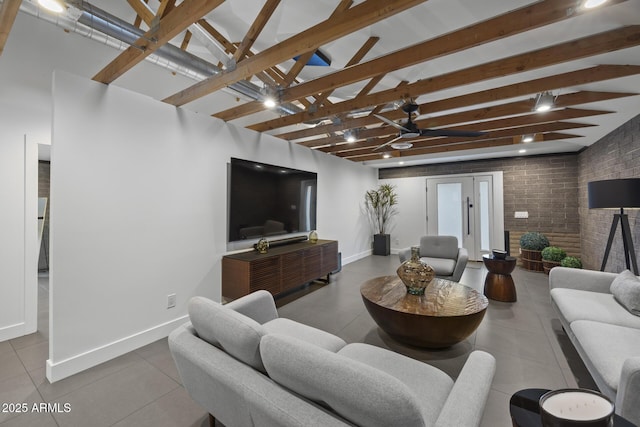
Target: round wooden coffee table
x=499 y=284
x=446 y=314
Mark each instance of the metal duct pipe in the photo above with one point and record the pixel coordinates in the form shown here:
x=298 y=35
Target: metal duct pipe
x=96 y=24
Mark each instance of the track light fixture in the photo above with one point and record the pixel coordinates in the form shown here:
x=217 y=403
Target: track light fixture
x=55 y=6
x=271 y=96
x=350 y=136
x=590 y=4
x=544 y=102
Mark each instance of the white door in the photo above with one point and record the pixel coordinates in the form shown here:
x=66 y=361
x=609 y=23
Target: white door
x=462 y=206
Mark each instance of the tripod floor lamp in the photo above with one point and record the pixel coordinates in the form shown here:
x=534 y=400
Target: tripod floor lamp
x=617 y=194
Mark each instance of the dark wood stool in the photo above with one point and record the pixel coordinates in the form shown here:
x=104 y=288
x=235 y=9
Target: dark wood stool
x=499 y=284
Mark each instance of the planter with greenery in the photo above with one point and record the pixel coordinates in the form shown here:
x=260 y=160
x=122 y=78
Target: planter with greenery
x=551 y=257
x=571 y=262
x=380 y=205
x=531 y=245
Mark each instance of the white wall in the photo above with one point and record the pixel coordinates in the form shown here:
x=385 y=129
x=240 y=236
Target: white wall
x=138 y=192
x=410 y=223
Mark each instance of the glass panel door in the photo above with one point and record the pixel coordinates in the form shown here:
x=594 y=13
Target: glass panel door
x=462 y=206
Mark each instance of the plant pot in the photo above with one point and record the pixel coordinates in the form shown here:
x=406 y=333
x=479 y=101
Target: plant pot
x=531 y=260
x=548 y=265
x=382 y=244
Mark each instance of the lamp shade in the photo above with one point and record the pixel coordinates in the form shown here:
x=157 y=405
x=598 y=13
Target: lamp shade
x=614 y=193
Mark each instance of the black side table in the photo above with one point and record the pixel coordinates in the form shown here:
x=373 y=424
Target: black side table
x=525 y=410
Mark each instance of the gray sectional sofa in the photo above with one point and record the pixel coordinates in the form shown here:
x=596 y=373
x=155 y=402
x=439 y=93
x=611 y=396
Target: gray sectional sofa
x=604 y=330
x=248 y=367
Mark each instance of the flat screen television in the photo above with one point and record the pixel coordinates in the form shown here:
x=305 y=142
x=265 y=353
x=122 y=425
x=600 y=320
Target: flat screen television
x=269 y=201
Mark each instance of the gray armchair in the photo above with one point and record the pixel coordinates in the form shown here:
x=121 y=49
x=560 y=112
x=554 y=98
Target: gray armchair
x=443 y=254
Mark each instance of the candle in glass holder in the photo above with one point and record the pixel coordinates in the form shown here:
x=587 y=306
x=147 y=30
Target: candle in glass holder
x=563 y=407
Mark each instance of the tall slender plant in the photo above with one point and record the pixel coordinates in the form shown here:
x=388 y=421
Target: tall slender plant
x=380 y=205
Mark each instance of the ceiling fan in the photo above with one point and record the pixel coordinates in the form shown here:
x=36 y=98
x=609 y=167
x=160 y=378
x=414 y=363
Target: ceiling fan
x=410 y=130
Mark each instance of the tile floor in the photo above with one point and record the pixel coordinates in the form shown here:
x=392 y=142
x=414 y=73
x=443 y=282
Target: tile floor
x=142 y=388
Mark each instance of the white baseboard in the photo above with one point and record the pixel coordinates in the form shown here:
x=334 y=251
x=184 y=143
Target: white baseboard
x=12 y=331
x=72 y=365
x=356 y=257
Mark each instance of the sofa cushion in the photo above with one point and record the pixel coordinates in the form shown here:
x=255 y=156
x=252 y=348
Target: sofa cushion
x=305 y=333
x=574 y=304
x=439 y=246
x=607 y=347
x=442 y=266
x=430 y=384
x=360 y=393
x=235 y=333
x=626 y=290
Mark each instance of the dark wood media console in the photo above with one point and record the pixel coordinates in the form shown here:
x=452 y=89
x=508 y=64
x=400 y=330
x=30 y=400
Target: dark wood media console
x=281 y=269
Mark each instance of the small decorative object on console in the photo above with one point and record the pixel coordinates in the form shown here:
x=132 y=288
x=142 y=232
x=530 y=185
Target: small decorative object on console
x=415 y=274
x=499 y=253
x=313 y=236
x=576 y=407
x=262 y=246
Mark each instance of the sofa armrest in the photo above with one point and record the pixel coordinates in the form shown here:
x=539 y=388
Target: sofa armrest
x=585 y=280
x=627 y=397
x=461 y=263
x=404 y=254
x=258 y=305
x=471 y=387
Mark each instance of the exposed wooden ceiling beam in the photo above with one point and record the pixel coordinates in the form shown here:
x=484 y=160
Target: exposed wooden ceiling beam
x=518 y=21
x=422 y=142
x=256 y=28
x=484 y=113
x=143 y=11
x=488 y=125
x=257 y=106
x=552 y=136
x=8 y=12
x=608 y=41
x=357 y=17
x=167 y=28
x=165 y=7
x=186 y=40
x=298 y=65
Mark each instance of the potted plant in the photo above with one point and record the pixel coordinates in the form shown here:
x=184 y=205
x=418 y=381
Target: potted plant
x=551 y=257
x=531 y=245
x=571 y=262
x=380 y=205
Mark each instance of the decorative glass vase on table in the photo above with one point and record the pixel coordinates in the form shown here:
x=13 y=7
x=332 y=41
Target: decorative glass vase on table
x=415 y=273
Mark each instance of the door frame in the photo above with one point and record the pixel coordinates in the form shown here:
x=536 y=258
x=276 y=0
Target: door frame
x=497 y=233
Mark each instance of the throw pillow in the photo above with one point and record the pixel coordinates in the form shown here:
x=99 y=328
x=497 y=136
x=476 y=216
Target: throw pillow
x=358 y=392
x=223 y=327
x=626 y=290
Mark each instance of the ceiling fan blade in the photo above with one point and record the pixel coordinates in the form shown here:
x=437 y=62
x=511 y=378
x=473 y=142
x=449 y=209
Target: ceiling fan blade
x=449 y=132
x=387 y=143
x=392 y=123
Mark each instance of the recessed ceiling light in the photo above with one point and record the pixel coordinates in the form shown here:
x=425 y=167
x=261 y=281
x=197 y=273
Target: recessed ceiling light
x=589 y=4
x=386 y=155
x=527 y=138
x=52 y=5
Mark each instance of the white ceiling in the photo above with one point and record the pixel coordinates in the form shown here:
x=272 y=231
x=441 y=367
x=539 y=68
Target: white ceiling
x=36 y=48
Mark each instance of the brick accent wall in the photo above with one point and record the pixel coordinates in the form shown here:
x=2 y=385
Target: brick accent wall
x=545 y=186
x=617 y=155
